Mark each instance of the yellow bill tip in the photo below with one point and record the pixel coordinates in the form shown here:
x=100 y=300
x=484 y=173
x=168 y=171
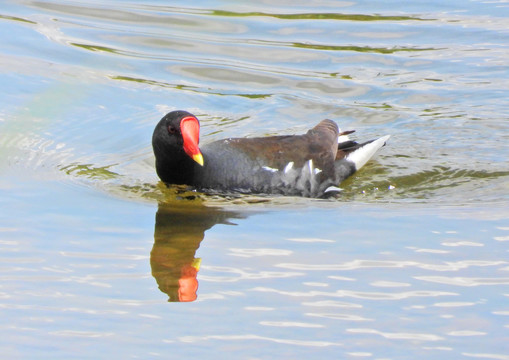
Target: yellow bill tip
x=198 y=158
x=196 y=263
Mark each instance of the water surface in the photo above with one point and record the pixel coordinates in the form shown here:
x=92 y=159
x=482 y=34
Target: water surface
x=99 y=260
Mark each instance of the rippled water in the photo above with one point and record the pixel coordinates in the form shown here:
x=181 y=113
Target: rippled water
x=411 y=261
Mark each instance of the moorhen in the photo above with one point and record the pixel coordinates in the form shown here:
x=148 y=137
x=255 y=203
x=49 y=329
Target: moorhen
x=311 y=165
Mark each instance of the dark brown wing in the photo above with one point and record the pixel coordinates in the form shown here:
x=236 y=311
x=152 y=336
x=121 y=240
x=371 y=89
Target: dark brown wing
x=318 y=144
x=323 y=143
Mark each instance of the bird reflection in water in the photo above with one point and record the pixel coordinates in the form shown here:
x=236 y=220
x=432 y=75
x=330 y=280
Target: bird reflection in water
x=180 y=226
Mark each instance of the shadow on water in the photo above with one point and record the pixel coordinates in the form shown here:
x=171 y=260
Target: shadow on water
x=180 y=226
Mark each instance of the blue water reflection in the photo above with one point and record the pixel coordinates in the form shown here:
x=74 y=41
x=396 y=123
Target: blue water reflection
x=411 y=261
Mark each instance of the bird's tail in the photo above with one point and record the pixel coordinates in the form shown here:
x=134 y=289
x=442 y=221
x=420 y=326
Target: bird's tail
x=363 y=152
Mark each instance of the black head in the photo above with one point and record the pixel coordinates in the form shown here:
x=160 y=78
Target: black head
x=175 y=144
x=167 y=132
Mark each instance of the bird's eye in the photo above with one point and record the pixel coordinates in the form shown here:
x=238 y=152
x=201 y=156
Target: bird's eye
x=171 y=129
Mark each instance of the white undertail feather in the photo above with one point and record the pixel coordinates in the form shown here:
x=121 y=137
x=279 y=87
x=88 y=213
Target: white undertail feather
x=361 y=156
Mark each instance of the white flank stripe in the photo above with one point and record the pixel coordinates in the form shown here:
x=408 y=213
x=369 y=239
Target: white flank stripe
x=333 y=188
x=288 y=167
x=268 y=168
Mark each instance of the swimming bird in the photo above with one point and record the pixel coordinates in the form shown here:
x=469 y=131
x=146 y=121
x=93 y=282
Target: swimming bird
x=311 y=165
